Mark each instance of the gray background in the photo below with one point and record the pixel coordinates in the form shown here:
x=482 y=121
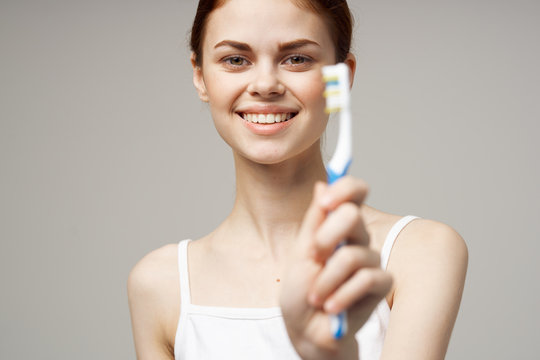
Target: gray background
x=106 y=154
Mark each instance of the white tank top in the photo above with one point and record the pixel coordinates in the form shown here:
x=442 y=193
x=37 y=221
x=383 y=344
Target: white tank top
x=210 y=332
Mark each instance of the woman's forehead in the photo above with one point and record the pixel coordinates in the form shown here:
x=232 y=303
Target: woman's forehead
x=265 y=21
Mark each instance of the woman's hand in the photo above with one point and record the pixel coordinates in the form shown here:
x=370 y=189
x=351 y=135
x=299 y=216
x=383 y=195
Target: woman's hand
x=320 y=283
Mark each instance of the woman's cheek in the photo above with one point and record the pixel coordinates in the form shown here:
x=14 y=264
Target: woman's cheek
x=309 y=88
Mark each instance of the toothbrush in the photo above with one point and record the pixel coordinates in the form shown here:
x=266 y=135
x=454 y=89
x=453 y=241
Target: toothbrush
x=337 y=96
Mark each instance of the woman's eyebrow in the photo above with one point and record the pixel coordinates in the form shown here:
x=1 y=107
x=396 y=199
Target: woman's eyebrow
x=234 y=44
x=296 y=44
x=287 y=46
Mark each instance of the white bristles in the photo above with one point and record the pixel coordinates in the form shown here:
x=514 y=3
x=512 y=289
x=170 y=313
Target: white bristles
x=337 y=96
x=337 y=91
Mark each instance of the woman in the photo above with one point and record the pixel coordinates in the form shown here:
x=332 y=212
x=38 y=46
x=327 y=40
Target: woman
x=265 y=282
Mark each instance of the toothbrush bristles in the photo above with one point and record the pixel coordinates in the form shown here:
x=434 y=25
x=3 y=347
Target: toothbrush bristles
x=329 y=93
x=332 y=110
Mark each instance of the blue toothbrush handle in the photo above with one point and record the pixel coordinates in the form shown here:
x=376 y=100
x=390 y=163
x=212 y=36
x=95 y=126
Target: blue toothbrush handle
x=338 y=323
x=333 y=176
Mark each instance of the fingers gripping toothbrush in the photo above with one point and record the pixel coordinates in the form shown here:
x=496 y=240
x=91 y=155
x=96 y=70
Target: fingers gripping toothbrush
x=337 y=96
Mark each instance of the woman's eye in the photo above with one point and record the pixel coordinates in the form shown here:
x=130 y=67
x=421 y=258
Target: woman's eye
x=297 y=60
x=235 y=61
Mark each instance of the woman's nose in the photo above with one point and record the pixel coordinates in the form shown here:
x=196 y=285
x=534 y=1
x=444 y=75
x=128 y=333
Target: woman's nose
x=266 y=83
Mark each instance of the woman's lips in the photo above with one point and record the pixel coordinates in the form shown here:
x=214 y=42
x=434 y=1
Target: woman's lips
x=268 y=123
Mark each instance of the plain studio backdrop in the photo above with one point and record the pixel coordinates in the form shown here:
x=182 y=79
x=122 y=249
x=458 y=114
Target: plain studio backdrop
x=106 y=153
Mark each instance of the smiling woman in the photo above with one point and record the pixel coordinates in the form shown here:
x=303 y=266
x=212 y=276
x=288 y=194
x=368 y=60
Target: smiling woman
x=258 y=63
x=249 y=69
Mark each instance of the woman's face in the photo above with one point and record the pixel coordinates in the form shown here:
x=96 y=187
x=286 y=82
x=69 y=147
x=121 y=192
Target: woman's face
x=261 y=74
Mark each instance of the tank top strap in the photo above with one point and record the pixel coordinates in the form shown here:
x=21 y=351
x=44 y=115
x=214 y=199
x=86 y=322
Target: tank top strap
x=391 y=238
x=185 y=294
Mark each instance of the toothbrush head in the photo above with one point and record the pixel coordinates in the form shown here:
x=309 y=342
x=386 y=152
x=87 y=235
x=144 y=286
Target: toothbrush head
x=337 y=96
x=337 y=91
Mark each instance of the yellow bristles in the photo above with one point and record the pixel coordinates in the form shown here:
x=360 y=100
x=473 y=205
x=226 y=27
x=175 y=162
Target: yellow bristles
x=330 y=78
x=329 y=93
x=332 y=110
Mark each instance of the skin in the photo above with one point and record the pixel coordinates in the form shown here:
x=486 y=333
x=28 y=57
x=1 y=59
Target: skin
x=285 y=222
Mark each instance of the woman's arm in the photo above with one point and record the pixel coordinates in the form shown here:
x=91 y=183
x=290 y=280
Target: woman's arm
x=429 y=264
x=147 y=294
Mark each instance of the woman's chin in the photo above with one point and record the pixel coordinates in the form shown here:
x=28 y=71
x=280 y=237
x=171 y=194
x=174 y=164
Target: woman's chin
x=266 y=159
x=280 y=155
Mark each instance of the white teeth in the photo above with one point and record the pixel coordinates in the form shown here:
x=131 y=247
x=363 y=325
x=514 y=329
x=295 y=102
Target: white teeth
x=267 y=118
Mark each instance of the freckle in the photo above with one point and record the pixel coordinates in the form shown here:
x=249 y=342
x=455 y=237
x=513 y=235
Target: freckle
x=277 y=280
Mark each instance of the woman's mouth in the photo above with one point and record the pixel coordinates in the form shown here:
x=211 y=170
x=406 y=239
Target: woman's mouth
x=267 y=124
x=267 y=118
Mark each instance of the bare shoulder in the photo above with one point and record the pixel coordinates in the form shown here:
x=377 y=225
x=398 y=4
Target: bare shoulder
x=427 y=241
x=154 y=301
x=154 y=269
x=423 y=248
x=428 y=251
x=420 y=239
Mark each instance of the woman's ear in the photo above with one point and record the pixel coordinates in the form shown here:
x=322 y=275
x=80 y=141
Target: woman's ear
x=350 y=61
x=198 y=79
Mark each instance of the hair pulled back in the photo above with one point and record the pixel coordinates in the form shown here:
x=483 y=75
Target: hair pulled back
x=336 y=14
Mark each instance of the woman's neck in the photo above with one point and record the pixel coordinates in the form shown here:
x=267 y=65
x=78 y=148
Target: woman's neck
x=271 y=201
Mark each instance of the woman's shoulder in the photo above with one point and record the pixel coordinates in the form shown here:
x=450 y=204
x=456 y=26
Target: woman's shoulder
x=430 y=239
x=156 y=267
x=423 y=248
x=154 y=293
x=418 y=236
x=157 y=272
x=426 y=254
